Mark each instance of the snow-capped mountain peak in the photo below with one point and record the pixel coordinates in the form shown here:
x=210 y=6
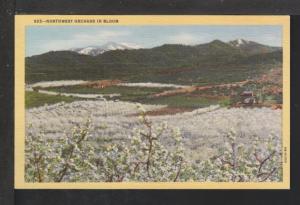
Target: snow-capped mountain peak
x=239 y=42
x=96 y=50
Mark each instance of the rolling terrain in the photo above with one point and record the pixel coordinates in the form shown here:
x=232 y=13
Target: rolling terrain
x=213 y=62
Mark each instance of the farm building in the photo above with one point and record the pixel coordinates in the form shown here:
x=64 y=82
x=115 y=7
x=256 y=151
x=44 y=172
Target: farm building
x=248 y=98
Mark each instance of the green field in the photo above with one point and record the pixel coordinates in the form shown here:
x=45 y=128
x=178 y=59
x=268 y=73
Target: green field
x=35 y=99
x=143 y=95
x=134 y=94
x=123 y=90
x=185 y=101
x=131 y=94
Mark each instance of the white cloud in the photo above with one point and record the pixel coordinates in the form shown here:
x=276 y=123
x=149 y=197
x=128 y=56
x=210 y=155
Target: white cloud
x=187 y=38
x=84 y=39
x=100 y=35
x=271 y=39
x=132 y=45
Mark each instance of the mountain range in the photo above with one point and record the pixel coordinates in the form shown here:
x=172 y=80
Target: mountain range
x=245 y=45
x=212 y=62
x=110 y=46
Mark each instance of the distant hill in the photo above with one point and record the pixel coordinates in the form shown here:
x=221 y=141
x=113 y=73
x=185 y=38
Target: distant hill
x=212 y=62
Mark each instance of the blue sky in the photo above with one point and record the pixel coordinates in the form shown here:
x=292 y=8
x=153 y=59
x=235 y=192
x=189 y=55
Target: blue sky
x=41 y=39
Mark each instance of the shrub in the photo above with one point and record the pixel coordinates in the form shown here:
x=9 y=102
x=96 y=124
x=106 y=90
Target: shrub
x=238 y=163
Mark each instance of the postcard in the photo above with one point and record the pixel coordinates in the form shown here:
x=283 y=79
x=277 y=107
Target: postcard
x=152 y=102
